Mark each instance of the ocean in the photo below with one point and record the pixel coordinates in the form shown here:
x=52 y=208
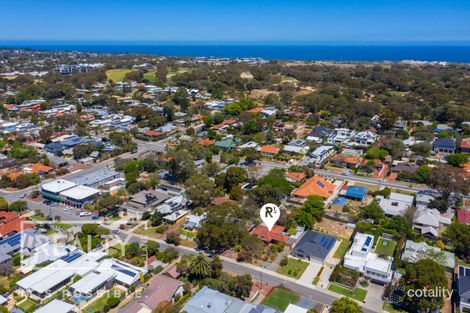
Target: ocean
x=449 y=53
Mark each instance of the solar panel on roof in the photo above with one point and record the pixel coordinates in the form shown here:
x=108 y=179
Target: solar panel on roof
x=71 y=257
x=368 y=240
x=461 y=271
x=122 y=270
x=467 y=271
x=319 y=183
x=12 y=241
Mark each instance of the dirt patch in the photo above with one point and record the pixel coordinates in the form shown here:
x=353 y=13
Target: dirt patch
x=334 y=228
x=246 y=75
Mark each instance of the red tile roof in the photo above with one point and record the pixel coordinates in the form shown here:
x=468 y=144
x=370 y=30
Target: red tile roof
x=11 y=223
x=263 y=233
x=270 y=149
x=296 y=176
x=206 y=142
x=315 y=186
x=224 y=123
x=152 y=133
x=463 y=216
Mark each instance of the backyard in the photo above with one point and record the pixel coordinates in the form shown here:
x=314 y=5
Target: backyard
x=342 y=249
x=357 y=293
x=280 y=299
x=27 y=306
x=385 y=247
x=294 y=268
x=99 y=304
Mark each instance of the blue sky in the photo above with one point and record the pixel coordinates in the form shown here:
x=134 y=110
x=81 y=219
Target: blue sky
x=243 y=20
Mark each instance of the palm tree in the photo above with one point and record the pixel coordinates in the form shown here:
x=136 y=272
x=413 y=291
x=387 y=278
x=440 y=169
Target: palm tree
x=201 y=266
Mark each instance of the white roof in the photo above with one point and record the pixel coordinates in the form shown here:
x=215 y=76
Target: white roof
x=292 y=308
x=3 y=300
x=79 y=192
x=125 y=273
x=41 y=274
x=56 y=306
x=58 y=185
x=377 y=264
x=415 y=251
x=401 y=197
x=90 y=282
x=56 y=272
x=393 y=207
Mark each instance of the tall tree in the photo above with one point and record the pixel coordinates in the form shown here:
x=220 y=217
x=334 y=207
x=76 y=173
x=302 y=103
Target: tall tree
x=200 y=266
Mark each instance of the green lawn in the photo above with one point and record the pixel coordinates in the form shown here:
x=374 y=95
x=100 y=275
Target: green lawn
x=27 y=306
x=64 y=226
x=280 y=299
x=342 y=249
x=358 y=293
x=385 y=247
x=294 y=268
x=98 y=304
x=150 y=75
x=117 y=75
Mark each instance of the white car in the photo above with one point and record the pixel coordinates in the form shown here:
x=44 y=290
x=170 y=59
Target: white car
x=82 y=214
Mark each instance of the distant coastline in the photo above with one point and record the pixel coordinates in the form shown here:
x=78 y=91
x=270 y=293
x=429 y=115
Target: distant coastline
x=268 y=51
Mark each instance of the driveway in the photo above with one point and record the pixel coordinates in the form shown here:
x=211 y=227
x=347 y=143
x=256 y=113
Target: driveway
x=310 y=272
x=374 y=296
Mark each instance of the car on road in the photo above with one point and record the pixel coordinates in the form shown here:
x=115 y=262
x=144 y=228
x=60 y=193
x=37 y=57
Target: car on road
x=116 y=231
x=82 y=214
x=23 y=196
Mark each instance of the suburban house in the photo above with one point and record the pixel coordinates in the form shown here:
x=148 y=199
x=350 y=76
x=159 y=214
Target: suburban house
x=296 y=146
x=341 y=136
x=295 y=177
x=208 y=300
x=396 y=204
x=361 y=259
x=444 y=145
x=316 y=185
x=358 y=193
x=56 y=306
x=268 y=236
x=144 y=201
x=415 y=251
x=428 y=221
x=346 y=160
x=161 y=288
x=463 y=288
x=226 y=145
x=318 y=133
x=269 y=111
x=365 y=138
x=269 y=150
x=321 y=154
x=405 y=167
x=314 y=246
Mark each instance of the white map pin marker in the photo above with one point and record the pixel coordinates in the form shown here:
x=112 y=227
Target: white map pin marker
x=269 y=213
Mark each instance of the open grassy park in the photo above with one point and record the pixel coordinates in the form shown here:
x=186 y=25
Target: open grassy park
x=294 y=268
x=117 y=75
x=280 y=298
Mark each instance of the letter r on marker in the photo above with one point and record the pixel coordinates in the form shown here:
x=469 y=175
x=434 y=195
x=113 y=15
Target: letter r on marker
x=269 y=210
